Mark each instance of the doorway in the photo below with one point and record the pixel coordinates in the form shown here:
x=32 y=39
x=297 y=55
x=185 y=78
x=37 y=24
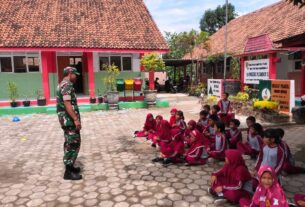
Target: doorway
x=73 y=61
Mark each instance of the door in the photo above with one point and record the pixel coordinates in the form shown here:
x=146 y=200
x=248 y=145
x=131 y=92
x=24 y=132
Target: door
x=62 y=61
x=76 y=62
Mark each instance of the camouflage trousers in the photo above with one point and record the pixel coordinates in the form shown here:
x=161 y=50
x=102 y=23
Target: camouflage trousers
x=71 y=145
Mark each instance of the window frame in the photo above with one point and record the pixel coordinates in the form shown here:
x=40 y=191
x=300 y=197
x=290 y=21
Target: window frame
x=23 y=54
x=116 y=55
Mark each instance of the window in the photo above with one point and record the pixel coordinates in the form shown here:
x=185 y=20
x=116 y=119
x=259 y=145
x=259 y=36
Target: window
x=126 y=63
x=103 y=61
x=6 y=64
x=298 y=65
x=116 y=60
x=33 y=64
x=20 y=64
x=220 y=68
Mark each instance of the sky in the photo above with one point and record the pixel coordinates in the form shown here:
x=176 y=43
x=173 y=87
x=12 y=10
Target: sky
x=184 y=15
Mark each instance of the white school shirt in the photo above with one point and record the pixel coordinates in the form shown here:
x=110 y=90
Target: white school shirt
x=254 y=143
x=270 y=156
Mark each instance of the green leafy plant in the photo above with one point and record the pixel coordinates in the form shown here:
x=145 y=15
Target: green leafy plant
x=13 y=91
x=152 y=62
x=110 y=78
x=39 y=94
x=235 y=68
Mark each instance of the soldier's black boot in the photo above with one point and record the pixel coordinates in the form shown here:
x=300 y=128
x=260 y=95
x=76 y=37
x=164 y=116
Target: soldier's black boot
x=75 y=169
x=70 y=175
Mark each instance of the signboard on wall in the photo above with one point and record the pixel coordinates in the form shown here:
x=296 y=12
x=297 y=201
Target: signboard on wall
x=232 y=87
x=215 y=87
x=281 y=91
x=256 y=70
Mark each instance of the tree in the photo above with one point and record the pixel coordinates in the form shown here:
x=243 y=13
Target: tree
x=183 y=42
x=152 y=62
x=213 y=20
x=300 y=3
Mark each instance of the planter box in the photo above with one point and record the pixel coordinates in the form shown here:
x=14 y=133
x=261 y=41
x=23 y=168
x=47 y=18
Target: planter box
x=275 y=118
x=41 y=102
x=14 y=104
x=92 y=100
x=26 y=103
x=299 y=114
x=150 y=96
x=113 y=97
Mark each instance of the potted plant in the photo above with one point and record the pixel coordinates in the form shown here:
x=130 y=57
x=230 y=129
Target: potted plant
x=112 y=95
x=41 y=100
x=26 y=102
x=100 y=97
x=152 y=62
x=13 y=93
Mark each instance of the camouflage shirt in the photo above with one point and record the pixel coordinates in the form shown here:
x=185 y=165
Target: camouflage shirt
x=65 y=92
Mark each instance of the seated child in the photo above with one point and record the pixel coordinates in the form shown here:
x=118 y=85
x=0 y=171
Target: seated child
x=225 y=112
x=268 y=193
x=196 y=155
x=272 y=153
x=234 y=135
x=156 y=133
x=289 y=164
x=203 y=121
x=206 y=108
x=254 y=143
x=164 y=140
x=218 y=148
x=149 y=127
x=209 y=131
x=299 y=200
x=250 y=121
x=172 y=120
x=230 y=180
x=177 y=133
x=214 y=111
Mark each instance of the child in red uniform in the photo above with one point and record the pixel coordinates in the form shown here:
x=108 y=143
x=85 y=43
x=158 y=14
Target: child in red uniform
x=203 y=121
x=234 y=135
x=209 y=131
x=299 y=199
x=149 y=127
x=289 y=164
x=206 y=108
x=164 y=139
x=254 y=143
x=178 y=140
x=225 y=112
x=229 y=181
x=269 y=193
x=172 y=120
x=272 y=154
x=196 y=155
x=154 y=135
x=218 y=148
x=215 y=110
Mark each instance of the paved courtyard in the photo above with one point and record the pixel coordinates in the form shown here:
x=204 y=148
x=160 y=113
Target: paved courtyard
x=117 y=169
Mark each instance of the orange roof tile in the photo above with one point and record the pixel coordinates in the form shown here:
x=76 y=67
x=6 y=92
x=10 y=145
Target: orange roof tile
x=278 y=21
x=115 y=24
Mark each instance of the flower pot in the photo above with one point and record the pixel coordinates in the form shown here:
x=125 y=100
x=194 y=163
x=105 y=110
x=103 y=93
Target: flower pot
x=93 y=100
x=26 y=103
x=150 y=96
x=100 y=99
x=298 y=114
x=41 y=102
x=14 y=104
x=113 y=97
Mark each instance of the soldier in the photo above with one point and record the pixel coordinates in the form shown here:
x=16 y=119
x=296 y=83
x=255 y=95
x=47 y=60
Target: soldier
x=69 y=119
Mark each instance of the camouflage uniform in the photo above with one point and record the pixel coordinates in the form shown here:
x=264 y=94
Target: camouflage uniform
x=65 y=91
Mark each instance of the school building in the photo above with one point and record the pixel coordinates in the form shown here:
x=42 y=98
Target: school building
x=39 y=38
x=270 y=43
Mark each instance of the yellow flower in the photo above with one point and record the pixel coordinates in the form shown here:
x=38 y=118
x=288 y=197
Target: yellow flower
x=266 y=104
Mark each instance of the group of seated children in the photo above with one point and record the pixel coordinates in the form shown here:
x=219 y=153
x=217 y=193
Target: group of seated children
x=195 y=142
